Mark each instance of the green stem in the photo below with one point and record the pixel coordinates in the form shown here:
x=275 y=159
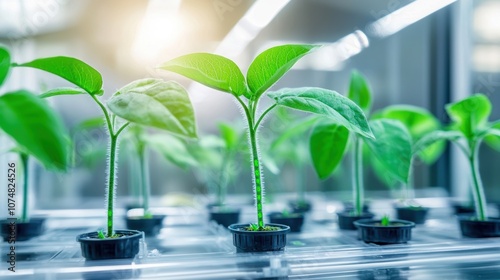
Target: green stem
x=24 y=162
x=111 y=182
x=263 y=115
x=144 y=182
x=481 y=211
x=257 y=172
x=358 y=176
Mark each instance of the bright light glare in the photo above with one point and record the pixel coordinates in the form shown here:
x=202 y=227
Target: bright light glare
x=486 y=58
x=159 y=29
x=486 y=22
x=405 y=16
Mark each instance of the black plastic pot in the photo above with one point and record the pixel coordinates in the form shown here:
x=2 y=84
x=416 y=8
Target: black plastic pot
x=224 y=216
x=418 y=215
x=462 y=208
x=347 y=219
x=371 y=231
x=293 y=220
x=479 y=229
x=151 y=226
x=12 y=229
x=300 y=206
x=259 y=241
x=124 y=247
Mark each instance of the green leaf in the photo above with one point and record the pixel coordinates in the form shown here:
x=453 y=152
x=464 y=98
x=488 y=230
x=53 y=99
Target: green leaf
x=229 y=135
x=156 y=103
x=206 y=151
x=419 y=122
x=62 y=91
x=493 y=137
x=90 y=124
x=172 y=149
x=270 y=65
x=435 y=136
x=470 y=114
x=392 y=147
x=71 y=69
x=359 y=91
x=327 y=103
x=212 y=70
x=327 y=145
x=35 y=127
x=4 y=64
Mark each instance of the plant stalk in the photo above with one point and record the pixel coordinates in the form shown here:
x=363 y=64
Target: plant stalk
x=358 y=177
x=111 y=182
x=24 y=162
x=480 y=201
x=257 y=172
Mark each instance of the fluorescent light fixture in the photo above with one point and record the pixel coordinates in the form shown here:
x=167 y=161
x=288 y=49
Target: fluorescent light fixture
x=486 y=58
x=486 y=23
x=405 y=16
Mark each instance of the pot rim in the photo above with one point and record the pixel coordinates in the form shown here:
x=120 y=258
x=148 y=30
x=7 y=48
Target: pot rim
x=236 y=229
x=85 y=238
x=365 y=223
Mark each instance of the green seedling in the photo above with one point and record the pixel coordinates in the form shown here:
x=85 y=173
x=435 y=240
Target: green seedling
x=35 y=128
x=149 y=102
x=468 y=129
x=385 y=221
x=266 y=69
x=391 y=146
x=419 y=123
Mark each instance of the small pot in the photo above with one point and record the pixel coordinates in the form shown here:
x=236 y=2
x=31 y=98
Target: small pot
x=371 y=231
x=151 y=225
x=224 y=216
x=23 y=230
x=300 y=206
x=461 y=208
x=347 y=219
x=124 y=247
x=349 y=207
x=293 y=220
x=417 y=214
x=258 y=241
x=479 y=229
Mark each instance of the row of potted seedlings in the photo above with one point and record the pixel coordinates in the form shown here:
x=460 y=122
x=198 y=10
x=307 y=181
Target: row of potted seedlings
x=394 y=137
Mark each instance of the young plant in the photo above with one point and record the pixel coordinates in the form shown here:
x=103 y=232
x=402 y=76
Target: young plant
x=35 y=128
x=150 y=102
x=265 y=70
x=469 y=128
x=385 y=221
x=391 y=146
x=419 y=123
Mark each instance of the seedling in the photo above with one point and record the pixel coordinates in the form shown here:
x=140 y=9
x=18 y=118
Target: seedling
x=150 y=102
x=385 y=221
x=468 y=129
x=266 y=69
x=392 y=146
x=36 y=129
x=419 y=123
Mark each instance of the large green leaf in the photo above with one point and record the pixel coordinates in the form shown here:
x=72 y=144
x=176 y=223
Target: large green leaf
x=62 y=91
x=359 y=91
x=470 y=114
x=35 y=127
x=172 y=149
x=435 y=136
x=392 y=147
x=270 y=65
x=212 y=70
x=327 y=145
x=70 y=69
x=156 y=103
x=325 y=102
x=4 y=64
x=419 y=122
x=493 y=136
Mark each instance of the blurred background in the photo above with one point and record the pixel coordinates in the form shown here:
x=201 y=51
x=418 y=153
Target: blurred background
x=430 y=55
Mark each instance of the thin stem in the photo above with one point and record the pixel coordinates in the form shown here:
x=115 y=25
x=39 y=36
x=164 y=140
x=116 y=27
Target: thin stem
x=358 y=176
x=481 y=211
x=257 y=172
x=106 y=114
x=263 y=115
x=121 y=129
x=144 y=182
x=111 y=183
x=24 y=165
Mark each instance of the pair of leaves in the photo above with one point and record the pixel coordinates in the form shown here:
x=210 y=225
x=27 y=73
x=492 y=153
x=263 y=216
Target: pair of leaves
x=35 y=127
x=223 y=74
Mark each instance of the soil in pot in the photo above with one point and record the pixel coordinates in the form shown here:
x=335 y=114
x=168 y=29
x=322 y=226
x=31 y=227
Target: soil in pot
x=293 y=220
x=347 y=219
x=151 y=225
x=471 y=227
x=224 y=216
x=124 y=246
x=247 y=240
x=416 y=214
x=300 y=206
x=22 y=231
x=372 y=231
